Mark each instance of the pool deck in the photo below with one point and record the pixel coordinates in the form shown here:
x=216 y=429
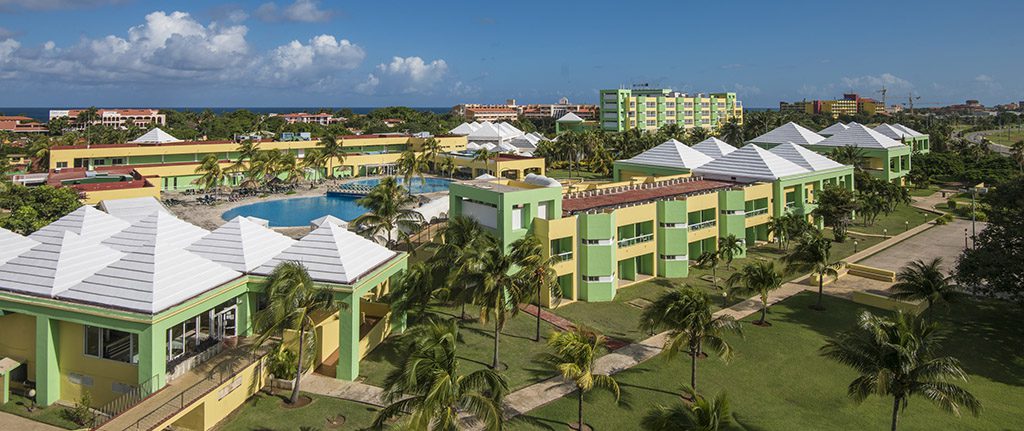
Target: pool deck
x=209 y=216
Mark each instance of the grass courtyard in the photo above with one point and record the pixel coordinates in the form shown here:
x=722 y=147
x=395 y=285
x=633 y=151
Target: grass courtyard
x=53 y=415
x=779 y=382
x=266 y=412
x=1006 y=137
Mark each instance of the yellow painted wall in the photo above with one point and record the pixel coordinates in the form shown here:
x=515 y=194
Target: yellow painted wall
x=104 y=372
x=758 y=191
x=222 y=401
x=17 y=339
x=633 y=215
x=700 y=203
x=549 y=230
x=94 y=197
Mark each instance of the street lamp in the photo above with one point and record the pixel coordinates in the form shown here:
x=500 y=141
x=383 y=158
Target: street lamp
x=885 y=233
x=906 y=225
x=965 y=238
x=854 y=246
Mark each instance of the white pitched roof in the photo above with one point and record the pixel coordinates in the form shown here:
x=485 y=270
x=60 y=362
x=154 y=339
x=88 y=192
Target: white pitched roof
x=132 y=209
x=472 y=146
x=317 y=222
x=891 y=131
x=805 y=158
x=541 y=180
x=462 y=129
x=569 y=117
x=52 y=267
x=86 y=221
x=12 y=244
x=671 y=154
x=714 y=147
x=859 y=135
x=155 y=136
x=908 y=130
x=332 y=254
x=506 y=147
x=241 y=244
x=749 y=164
x=833 y=129
x=159 y=227
x=789 y=132
x=151 y=278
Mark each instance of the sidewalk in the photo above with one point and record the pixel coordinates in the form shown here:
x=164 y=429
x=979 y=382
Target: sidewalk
x=10 y=421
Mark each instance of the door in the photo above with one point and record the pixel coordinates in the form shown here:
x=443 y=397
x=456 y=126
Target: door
x=225 y=323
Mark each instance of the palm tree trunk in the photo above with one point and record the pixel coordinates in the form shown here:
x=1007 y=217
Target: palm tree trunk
x=895 y=412
x=821 y=289
x=298 y=370
x=693 y=367
x=536 y=336
x=579 y=414
x=497 y=333
x=764 y=311
x=931 y=315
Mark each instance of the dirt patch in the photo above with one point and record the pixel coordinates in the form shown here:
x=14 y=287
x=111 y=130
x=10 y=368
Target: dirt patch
x=303 y=401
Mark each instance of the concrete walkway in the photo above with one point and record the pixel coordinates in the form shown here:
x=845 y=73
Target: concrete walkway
x=352 y=391
x=10 y=421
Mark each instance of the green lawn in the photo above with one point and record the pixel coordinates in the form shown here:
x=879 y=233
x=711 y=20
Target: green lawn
x=576 y=174
x=1006 y=137
x=52 y=415
x=927 y=191
x=517 y=350
x=894 y=223
x=266 y=412
x=779 y=382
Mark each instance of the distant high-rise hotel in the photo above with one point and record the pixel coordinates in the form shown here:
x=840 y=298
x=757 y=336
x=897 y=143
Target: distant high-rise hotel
x=850 y=104
x=649 y=109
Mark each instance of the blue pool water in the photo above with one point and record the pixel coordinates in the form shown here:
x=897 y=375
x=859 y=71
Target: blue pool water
x=300 y=211
x=417 y=185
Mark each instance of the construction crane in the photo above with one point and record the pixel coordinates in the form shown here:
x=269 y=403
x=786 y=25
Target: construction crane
x=882 y=92
x=910 y=101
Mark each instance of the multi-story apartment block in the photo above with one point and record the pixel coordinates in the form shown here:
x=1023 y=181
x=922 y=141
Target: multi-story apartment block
x=510 y=110
x=322 y=118
x=119 y=118
x=492 y=114
x=649 y=109
x=850 y=104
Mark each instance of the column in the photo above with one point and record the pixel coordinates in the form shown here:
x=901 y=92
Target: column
x=245 y=314
x=348 y=339
x=153 y=357
x=47 y=366
x=5 y=388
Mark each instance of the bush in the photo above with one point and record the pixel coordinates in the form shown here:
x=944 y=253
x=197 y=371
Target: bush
x=951 y=204
x=81 y=413
x=941 y=220
x=980 y=216
x=283 y=363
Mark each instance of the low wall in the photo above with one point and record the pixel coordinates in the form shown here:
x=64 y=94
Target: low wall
x=887 y=303
x=871 y=272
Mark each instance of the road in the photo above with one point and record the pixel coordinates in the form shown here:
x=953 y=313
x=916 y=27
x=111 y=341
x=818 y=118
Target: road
x=996 y=148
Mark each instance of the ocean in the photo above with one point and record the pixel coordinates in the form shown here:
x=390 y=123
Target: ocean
x=43 y=114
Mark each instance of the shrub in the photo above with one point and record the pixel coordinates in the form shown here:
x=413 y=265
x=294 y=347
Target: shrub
x=951 y=204
x=81 y=413
x=941 y=221
x=283 y=363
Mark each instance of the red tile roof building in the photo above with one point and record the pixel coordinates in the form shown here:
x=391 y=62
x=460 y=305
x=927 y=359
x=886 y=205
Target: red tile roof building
x=119 y=118
x=20 y=124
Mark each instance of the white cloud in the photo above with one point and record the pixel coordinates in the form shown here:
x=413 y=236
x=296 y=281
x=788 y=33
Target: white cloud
x=55 y=4
x=746 y=89
x=404 y=75
x=5 y=33
x=983 y=78
x=299 y=11
x=874 y=82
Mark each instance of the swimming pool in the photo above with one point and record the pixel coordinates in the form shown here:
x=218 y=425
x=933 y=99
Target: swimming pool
x=300 y=211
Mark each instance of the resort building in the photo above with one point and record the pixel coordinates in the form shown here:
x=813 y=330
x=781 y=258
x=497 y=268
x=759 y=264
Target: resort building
x=491 y=114
x=850 y=104
x=123 y=304
x=510 y=110
x=650 y=109
x=159 y=162
x=916 y=140
x=664 y=209
x=119 y=118
x=322 y=118
x=21 y=124
x=887 y=158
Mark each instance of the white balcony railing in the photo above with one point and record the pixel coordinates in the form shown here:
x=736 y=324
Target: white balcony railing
x=561 y=257
x=757 y=212
x=703 y=225
x=635 y=240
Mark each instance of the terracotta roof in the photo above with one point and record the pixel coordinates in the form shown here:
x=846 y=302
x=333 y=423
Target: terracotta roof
x=659 y=191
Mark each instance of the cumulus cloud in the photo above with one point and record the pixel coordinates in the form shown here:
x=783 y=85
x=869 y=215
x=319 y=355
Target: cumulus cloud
x=175 y=47
x=404 y=75
x=983 y=78
x=55 y=4
x=5 y=33
x=300 y=11
x=873 y=82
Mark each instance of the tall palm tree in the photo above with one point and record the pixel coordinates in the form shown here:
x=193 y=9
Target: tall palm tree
x=728 y=247
x=431 y=149
x=573 y=354
x=485 y=155
x=447 y=166
x=700 y=414
x=39 y=152
x=812 y=254
x=488 y=272
x=212 y=175
x=247 y=151
x=758 y=278
x=686 y=314
x=852 y=156
x=535 y=270
x=331 y=150
x=452 y=244
x=732 y=132
x=710 y=260
x=390 y=207
x=925 y=280
x=293 y=299
x=1017 y=154
x=431 y=388
x=314 y=161
x=414 y=289
x=897 y=358
x=698 y=134
x=410 y=164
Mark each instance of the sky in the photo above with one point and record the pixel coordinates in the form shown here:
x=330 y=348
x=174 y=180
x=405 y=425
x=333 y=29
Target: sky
x=304 y=53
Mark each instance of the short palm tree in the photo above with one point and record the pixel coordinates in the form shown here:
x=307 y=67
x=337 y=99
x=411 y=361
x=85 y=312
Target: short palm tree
x=389 y=207
x=331 y=150
x=247 y=151
x=573 y=354
x=410 y=165
x=710 y=260
x=485 y=155
x=758 y=278
x=921 y=280
x=447 y=166
x=293 y=299
x=535 y=271
x=851 y=156
x=488 y=273
x=812 y=254
x=896 y=358
x=700 y=414
x=414 y=289
x=728 y=247
x=429 y=385
x=290 y=167
x=686 y=314
x=314 y=161
x=212 y=175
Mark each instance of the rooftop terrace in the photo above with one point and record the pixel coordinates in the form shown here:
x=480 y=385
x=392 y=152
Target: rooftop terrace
x=615 y=197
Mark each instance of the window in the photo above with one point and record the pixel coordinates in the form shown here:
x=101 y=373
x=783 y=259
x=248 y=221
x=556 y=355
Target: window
x=670 y=105
x=517 y=217
x=670 y=113
x=99 y=162
x=652 y=123
x=652 y=104
x=688 y=105
x=117 y=161
x=632 y=104
x=670 y=121
x=111 y=344
x=61 y=165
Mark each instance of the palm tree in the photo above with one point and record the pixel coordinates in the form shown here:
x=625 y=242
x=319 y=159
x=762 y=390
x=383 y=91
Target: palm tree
x=247 y=151
x=811 y=254
x=698 y=134
x=896 y=358
x=732 y=132
x=431 y=149
x=710 y=260
x=485 y=155
x=836 y=206
x=390 y=207
x=777 y=227
x=852 y=156
x=293 y=299
x=330 y=150
x=414 y=289
x=573 y=354
x=701 y=414
x=452 y=244
x=39 y=152
x=487 y=271
x=291 y=168
x=429 y=385
x=1017 y=154
x=919 y=280
x=686 y=314
x=409 y=165
x=315 y=161
x=212 y=175
x=728 y=247
x=758 y=278
x=535 y=270
x=447 y=166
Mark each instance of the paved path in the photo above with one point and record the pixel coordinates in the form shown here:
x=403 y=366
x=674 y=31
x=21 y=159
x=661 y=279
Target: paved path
x=977 y=136
x=14 y=422
x=352 y=391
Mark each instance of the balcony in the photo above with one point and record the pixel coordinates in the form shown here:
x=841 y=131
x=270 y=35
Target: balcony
x=755 y=213
x=635 y=240
x=703 y=225
x=561 y=257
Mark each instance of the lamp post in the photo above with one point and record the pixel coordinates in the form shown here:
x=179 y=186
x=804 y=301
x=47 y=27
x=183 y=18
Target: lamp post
x=854 y=246
x=906 y=225
x=965 y=238
x=885 y=233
